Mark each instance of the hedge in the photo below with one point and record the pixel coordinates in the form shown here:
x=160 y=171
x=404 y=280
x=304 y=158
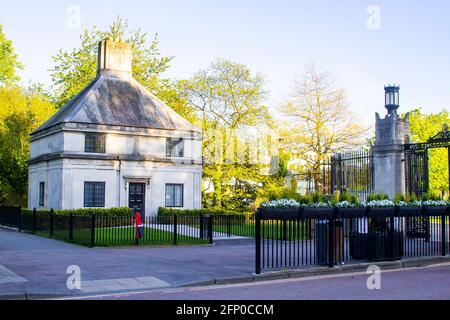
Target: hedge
x=164 y=212
x=104 y=212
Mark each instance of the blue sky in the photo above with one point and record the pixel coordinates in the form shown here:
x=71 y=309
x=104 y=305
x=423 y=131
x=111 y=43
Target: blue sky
x=276 y=38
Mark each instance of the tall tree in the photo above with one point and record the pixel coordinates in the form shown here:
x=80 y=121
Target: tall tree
x=74 y=69
x=318 y=120
x=22 y=111
x=423 y=127
x=8 y=60
x=228 y=97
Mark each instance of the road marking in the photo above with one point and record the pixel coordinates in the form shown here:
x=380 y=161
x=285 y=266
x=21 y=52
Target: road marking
x=8 y=276
x=248 y=284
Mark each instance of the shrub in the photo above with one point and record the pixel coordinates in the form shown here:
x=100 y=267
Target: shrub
x=431 y=196
x=106 y=212
x=164 y=212
x=377 y=197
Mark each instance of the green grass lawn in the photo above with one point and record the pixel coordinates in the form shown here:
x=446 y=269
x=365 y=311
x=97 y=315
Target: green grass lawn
x=113 y=237
x=269 y=229
x=243 y=230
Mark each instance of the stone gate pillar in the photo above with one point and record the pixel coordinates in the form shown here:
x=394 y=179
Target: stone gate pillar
x=392 y=133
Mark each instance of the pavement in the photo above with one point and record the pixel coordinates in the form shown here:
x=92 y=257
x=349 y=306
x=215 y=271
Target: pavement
x=39 y=267
x=424 y=283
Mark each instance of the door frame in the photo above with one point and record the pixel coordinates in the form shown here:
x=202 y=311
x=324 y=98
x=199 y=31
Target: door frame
x=146 y=182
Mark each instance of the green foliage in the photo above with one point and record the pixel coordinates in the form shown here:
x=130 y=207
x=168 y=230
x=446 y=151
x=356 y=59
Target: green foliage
x=377 y=196
x=343 y=196
x=408 y=198
x=164 y=212
x=423 y=127
x=283 y=164
x=310 y=198
x=431 y=196
x=227 y=97
x=8 y=60
x=21 y=112
x=109 y=212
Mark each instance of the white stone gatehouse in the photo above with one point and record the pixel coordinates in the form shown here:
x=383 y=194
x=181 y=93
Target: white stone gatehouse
x=115 y=145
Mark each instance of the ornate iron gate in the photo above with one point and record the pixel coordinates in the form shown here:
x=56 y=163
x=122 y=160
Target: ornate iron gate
x=416 y=162
x=416 y=166
x=352 y=172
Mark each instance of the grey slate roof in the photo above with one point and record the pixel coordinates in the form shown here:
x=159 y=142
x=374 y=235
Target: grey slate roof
x=112 y=99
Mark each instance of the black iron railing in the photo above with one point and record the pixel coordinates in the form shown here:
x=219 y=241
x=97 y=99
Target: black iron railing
x=305 y=237
x=96 y=230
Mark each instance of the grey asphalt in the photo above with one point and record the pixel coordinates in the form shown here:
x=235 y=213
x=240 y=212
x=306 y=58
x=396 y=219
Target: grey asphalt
x=43 y=262
x=429 y=283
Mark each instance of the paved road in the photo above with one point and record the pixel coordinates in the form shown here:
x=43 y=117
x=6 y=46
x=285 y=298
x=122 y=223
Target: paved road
x=43 y=262
x=415 y=284
x=38 y=265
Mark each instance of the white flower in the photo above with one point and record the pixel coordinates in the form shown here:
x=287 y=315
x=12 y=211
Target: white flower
x=416 y=203
x=379 y=203
x=345 y=204
x=434 y=203
x=320 y=205
x=402 y=204
x=281 y=203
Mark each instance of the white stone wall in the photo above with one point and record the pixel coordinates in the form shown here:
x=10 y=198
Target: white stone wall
x=47 y=145
x=118 y=144
x=64 y=178
x=51 y=174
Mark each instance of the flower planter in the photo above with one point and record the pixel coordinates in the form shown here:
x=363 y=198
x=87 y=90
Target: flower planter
x=352 y=212
x=410 y=211
x=383 y=211
x=318 y=213
x=279 y=213
x=434 y=211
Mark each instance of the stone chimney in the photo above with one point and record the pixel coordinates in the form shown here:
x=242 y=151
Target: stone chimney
x=114 y=56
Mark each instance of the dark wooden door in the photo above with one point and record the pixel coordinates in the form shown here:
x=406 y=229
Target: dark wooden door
x=136 y=197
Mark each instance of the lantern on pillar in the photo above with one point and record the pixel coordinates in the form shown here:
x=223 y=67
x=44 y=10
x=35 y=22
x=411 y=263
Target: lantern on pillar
x=391 y=94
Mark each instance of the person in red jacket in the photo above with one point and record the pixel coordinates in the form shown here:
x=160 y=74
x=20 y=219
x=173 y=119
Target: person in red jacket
x=139 y=225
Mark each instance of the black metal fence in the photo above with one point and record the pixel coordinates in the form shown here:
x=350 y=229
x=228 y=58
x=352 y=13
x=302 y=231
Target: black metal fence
x=93 y=230
x=228 y=226
x=326 y=236
x=353 y=172
x=10 y=216
x=350 y=171
x=416 y=170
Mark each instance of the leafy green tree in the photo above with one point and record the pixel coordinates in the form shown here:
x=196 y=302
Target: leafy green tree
x=21 y=112
x=423 y=127
x=74 y=69
x=227 y=99
x=318 y=121
x=8 y=60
